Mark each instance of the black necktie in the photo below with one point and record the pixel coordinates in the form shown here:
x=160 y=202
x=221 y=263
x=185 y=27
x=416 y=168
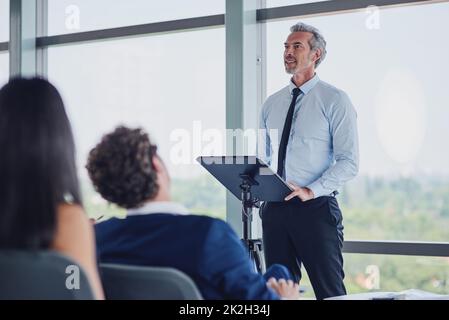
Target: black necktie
x=286 y=133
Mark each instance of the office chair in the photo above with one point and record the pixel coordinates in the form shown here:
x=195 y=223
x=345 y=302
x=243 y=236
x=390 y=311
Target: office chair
x=41 y=275
x=123 y=282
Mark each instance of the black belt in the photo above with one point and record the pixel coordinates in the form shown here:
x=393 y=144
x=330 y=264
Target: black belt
x=334 y=194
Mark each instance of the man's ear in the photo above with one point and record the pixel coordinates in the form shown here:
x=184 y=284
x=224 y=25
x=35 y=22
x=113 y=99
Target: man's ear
x=157 y=164
x=317 y=55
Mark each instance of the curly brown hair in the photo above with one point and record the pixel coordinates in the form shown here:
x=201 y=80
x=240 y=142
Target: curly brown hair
x=121 y=168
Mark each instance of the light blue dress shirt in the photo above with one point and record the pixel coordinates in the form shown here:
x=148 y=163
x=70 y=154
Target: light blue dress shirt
x=322 y=151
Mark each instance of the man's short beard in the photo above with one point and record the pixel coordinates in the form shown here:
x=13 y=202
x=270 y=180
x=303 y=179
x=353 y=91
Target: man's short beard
x=290 y=71
x=296 y=69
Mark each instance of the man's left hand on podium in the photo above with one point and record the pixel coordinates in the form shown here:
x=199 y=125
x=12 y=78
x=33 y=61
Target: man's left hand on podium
x=305 y=194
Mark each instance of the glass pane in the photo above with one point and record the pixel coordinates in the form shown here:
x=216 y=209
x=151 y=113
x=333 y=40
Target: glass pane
x=281 y=3
x=401 y=93
x=366 y=273
x=4 y=68
x=4 y=20
x=67 y=16
x=161 y=83
x=385 y=273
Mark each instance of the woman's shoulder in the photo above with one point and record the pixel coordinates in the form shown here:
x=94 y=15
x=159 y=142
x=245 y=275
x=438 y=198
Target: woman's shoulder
x=72 y=225
x=75 y=238
x=72 y=215
x=71 y=210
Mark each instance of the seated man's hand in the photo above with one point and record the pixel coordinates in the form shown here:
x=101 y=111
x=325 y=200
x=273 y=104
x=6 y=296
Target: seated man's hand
x=285 y=289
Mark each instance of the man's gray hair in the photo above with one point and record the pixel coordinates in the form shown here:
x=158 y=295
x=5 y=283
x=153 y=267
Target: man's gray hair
x=316 y=42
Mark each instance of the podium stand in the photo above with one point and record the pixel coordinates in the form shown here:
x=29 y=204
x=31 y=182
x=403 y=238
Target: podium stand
x=251 y=181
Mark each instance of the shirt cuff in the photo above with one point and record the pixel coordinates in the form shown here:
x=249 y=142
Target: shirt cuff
x=318 y=189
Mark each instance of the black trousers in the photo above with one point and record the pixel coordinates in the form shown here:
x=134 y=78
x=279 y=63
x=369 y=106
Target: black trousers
x=309 y=233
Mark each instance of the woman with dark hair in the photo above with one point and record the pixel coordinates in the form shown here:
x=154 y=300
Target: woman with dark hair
x=40 y=200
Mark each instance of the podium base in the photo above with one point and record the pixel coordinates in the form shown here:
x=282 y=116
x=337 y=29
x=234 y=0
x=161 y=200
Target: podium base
x=254 y=247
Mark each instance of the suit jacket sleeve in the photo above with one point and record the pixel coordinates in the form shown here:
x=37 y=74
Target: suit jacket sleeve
x=229 y=268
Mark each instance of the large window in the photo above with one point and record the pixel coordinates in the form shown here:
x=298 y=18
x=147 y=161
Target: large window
x=280 y=3
x=396 y=273
x=4 y=68
x=371 y=273
x=394 y=70
x=4 y=37
x=173 y=85
x=4 y=20
x=170 y=84
x=67 y=16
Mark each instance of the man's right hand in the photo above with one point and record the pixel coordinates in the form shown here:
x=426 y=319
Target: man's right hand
x=287 y=290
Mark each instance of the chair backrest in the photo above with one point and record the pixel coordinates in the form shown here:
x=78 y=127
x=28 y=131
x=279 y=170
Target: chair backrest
x=41 y=275
x=125 y=282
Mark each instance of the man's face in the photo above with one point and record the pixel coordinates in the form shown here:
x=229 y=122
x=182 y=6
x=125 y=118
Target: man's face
x=298 y=57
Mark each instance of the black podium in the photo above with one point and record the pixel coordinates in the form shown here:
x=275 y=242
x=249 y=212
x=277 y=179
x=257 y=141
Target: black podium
x=251 y=181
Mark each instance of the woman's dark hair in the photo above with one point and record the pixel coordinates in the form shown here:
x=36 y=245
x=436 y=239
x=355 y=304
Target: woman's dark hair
x=121 y=169
x=37 y=163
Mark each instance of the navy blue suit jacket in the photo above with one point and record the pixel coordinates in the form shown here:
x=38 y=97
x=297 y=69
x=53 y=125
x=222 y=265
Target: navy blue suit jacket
x=206 y=249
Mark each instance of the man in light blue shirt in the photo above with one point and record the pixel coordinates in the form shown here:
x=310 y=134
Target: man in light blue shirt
x=311 y=141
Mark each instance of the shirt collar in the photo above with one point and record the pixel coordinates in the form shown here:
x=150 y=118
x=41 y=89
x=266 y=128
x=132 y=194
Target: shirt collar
x=159 y=207
x=306 y=87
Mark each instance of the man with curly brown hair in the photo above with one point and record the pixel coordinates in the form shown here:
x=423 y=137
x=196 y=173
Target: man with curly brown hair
x=126 y=170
